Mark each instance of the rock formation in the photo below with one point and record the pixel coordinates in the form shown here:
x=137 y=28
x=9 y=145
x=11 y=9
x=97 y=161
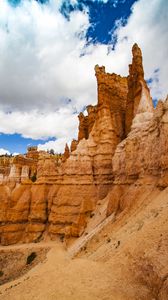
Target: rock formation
x=121 y=142
x=74 y=145
x=66 y=153
x=86 y=122
x=138 y=97
x=20 y=167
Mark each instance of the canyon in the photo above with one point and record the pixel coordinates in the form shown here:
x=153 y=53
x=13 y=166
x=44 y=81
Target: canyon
x=105 y=198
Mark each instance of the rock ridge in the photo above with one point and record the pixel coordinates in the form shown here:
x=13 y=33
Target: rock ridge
x=122 y=143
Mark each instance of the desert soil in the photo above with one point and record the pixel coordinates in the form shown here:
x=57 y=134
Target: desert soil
x=126 y=260
x=61 y=277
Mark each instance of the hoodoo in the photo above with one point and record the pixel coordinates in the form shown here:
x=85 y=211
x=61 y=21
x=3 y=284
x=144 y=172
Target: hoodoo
x=122 y=144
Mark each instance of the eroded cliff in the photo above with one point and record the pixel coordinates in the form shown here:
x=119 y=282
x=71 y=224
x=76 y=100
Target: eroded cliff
x=122 y=141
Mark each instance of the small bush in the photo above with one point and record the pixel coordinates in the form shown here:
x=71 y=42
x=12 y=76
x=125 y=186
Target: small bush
x=1 y=273
x=62 y=236
x=31 y=257
x=33 y=178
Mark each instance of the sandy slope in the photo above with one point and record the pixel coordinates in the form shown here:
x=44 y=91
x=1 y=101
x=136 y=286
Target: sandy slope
x=61 y=278
x=126 y=260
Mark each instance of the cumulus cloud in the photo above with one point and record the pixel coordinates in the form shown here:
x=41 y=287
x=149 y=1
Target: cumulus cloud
x=40 y=55
x=147 y=26
x=58 y=145
x=47 y=67
x=38 y=125
x=4 y=151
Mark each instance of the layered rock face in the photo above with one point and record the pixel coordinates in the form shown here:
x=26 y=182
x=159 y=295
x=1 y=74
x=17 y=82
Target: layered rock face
x=86 y=175
x=86 y=122
x=142 y=155
x=5 y=163
x=117 y=146
x=138 y=91
x=19 y=168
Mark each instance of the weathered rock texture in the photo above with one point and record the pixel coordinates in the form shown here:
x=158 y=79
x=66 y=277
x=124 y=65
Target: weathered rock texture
x=87 y=175
x=19 y=168
x=138 y=98
x=86 y=122
x=121 y=142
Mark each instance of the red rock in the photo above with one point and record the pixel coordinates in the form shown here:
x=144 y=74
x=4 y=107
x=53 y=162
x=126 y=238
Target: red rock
x=138 y=90
x=66 y=153
x=121 y=150
x=74 y=144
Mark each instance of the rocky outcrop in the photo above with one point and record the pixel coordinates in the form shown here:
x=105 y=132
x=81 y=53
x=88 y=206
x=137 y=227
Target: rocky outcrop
x=19 y=168
x=86 y=122
x=138 y=98
x=143 y=153
x=5 y=164
x=122 y=143
x=66 y=153
x=87 y=175
x=74 y=145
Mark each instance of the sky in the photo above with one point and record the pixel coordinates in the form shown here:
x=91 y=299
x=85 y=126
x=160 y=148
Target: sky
x=48 y=51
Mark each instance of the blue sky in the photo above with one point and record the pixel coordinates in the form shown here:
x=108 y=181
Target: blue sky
x=102 y=16
x=17 y=144
x=47 y=57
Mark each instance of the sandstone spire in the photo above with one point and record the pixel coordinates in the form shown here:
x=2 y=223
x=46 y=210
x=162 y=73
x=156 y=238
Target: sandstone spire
x=83 y=128
x=138 y=99
x=136 y=68
x=86 y=122
x=63 y=196
x=66 y=153
x=74 y=145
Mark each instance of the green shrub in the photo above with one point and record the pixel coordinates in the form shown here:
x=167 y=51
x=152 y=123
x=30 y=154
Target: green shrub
x=62 y=236
x=31 y=257
x=1 y=273
x=33 y=178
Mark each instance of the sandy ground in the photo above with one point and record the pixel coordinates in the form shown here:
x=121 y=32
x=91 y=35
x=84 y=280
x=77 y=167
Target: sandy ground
x=125 y=260
x=61 y=277
x=15 y=262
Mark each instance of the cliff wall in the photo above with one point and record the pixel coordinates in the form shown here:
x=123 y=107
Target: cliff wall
x=121 y=142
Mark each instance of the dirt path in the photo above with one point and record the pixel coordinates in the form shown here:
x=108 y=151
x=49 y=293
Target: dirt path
x=61 y=278
x=134 y=269
x=29 y=246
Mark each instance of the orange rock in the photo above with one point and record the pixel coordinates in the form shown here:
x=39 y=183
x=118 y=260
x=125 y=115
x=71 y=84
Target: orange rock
x=138 y=92
x=74 y=144
x=86 y=122
x=86 y=176
x=66 y=153
x=106 y=161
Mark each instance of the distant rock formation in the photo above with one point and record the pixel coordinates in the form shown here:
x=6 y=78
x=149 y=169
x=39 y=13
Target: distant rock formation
x=19 y=168
x=122 y=141
x=66 y=153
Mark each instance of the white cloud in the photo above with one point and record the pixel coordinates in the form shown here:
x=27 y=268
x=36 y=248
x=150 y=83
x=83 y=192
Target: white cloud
x=116 y=2
x=39 y=54
x=41 y=65
x=58 y=146
x=40 y=125
x=147 y=26
x=4 y=151
x=15 y=154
